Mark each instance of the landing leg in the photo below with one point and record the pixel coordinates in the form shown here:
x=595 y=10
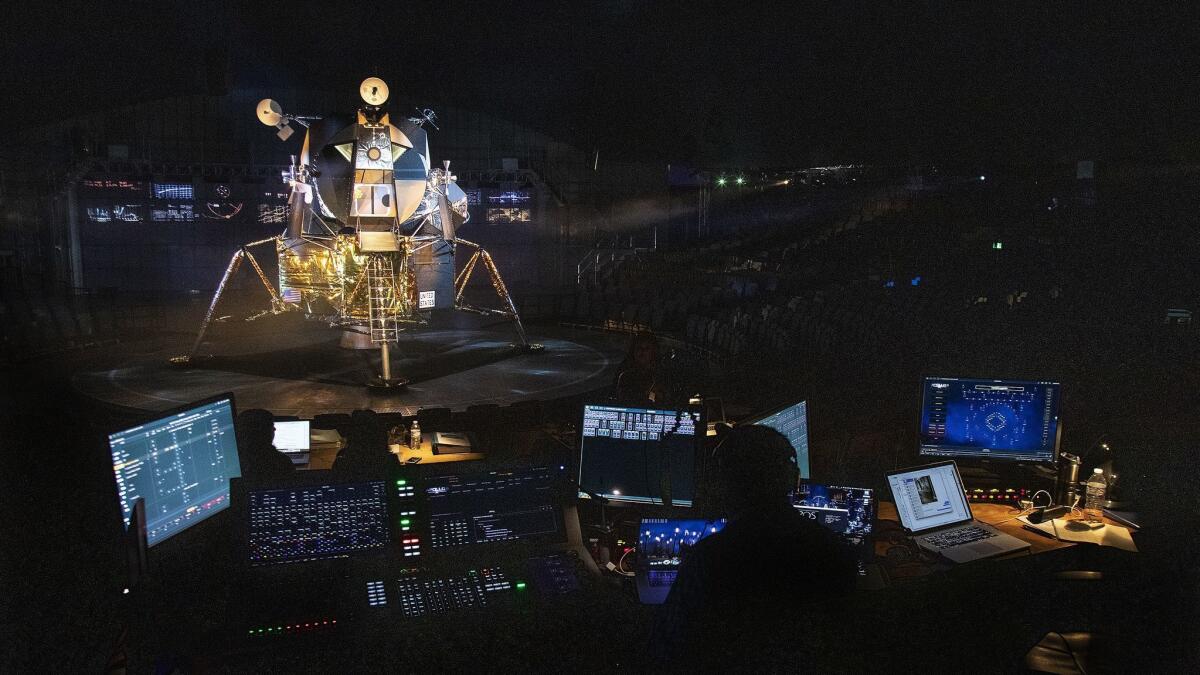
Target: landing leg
x=235 y=262
x=385 y=381
x=510 y=308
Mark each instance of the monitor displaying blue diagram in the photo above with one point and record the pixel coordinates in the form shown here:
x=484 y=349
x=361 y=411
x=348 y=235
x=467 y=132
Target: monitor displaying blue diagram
x=1011 y=420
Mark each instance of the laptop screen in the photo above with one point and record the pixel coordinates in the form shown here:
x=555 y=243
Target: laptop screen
x=929 y=496
x=291 y=436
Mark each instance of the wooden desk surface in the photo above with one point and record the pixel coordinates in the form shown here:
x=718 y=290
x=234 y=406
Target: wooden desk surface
x=1000 y=516
x=425 y=453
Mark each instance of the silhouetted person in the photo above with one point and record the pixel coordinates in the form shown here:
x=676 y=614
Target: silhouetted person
x=640 y=381
x=261 y=462
x=765 y=566
x=366 y=454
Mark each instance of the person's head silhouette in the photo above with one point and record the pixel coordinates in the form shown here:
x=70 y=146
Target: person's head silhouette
x=753 y=467
x=256 y=428
x=643 y=352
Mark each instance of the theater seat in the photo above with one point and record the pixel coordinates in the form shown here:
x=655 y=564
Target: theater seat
x=1074 y=653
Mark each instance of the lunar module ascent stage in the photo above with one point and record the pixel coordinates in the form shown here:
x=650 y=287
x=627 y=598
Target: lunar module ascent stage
x=371 y=235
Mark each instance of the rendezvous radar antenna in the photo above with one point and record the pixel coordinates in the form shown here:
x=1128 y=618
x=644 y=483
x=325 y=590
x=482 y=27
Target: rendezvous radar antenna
x=372 y=232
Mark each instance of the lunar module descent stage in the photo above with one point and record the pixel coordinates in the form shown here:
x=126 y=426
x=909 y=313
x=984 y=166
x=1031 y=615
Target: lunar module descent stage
x=371 y=233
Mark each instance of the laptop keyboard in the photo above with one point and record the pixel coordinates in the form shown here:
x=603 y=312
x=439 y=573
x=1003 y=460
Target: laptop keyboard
x=958 y=537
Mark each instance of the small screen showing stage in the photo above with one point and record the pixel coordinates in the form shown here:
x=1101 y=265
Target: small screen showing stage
x=1009 y=420
x=848 y=511
x=316 y=522
x=180 y=464
x=663 y=544
x=639 y=455
x=792 y=422
x=495 y=506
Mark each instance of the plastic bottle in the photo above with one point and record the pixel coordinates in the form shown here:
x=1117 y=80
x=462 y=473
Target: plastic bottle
x=414 y=438
x=1093 y=506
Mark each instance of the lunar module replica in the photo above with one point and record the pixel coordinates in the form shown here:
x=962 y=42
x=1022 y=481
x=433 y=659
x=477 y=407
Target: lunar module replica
x=371 y=235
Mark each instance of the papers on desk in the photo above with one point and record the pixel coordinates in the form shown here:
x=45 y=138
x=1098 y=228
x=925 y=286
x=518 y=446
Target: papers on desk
x=1109 y=535
x=451 y=443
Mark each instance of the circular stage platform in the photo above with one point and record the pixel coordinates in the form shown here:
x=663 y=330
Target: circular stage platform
x=301 y=370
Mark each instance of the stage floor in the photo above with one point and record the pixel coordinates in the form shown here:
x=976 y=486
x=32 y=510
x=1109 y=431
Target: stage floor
x=301 y=370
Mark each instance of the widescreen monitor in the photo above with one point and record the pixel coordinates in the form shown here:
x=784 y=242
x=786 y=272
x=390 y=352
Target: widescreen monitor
x=292 y=436
x=791 y=421
x=639 y=454
x=180 y=464
x=1011 y=420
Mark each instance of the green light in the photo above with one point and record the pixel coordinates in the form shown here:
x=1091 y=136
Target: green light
x=721 y=181
x=401 y=482
x=405 y=521
x=520 y=585
x=740 y=180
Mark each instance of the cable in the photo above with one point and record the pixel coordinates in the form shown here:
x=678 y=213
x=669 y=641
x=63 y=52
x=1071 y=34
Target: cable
x=621 y=562
x=619 y=568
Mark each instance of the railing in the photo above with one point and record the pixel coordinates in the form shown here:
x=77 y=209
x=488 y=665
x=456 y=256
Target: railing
x=607 y=252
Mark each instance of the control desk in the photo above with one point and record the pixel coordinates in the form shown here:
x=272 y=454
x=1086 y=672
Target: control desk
x=324 y=554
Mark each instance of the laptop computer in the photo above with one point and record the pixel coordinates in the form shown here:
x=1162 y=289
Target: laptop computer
x=934 y=511
x=293 y=438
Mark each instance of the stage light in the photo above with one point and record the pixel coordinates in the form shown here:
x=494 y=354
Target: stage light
x=740 y=180
x=721 y=181
x=983 y=178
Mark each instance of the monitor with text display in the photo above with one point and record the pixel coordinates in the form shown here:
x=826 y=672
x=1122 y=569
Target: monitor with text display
x=639 y=454
x=180 y=464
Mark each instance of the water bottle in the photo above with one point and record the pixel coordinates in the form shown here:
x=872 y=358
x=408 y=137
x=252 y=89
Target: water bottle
x=414 y=441
x=1093 y=506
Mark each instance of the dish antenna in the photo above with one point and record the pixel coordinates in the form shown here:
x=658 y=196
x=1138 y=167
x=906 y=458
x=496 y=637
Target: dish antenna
x=271 y=114
x=374 y=91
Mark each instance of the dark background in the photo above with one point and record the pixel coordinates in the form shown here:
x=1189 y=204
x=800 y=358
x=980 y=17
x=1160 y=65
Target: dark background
x=734 y=82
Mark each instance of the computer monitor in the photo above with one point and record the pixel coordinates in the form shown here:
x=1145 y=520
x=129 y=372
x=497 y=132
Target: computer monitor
x=791 y=421
x=292 y=436
x=639 y=454
x=662 y=546
x=493 y=506
x=848 y=511
x=316 y=522
x=180 y=463
x=1010 y=420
